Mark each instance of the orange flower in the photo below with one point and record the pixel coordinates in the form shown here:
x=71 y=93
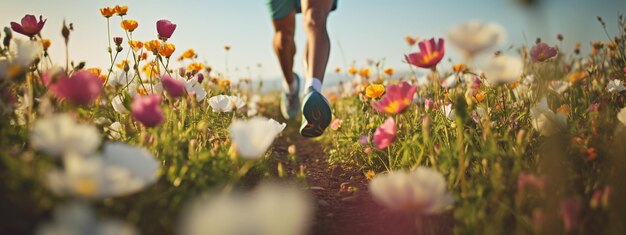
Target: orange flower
x=410 y=40
x=167 y=50
x=227 y=47
x=390 y=71
x=374 y=91
x=459 y=68
x=195 y=67
x=337 y=70
x=365 y=72
x=576 y=77
x=564 y=109
x=107 y=12
x=95 y=71
x=120 y=10
x=352 y=71
x=129 y=25
x=122 y=64
x=46 y=44
x=188 y=54
x=224 y=84
x=144 y=56
x=480 y=96
x=370 y=174
x=151 y=69
x=153 y=46
x=136 y=45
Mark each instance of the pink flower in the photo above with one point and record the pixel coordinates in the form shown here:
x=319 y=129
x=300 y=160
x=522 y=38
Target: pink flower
x=175 y=88
x=570 y=208
x=336 y=124
x=364 y=140
x=385 y=134
x=396 y=99
x=147 y=110
x=429 y=105
x=542 y=52
x=29 y=27
x=429 y=56
x=165 y=28
x=525 y=180
x=82 y=88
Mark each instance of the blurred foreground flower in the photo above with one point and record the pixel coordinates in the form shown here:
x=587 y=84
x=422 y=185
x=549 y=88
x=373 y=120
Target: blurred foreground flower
x=224 y=103
x=542 y=52
x=60 y=135
x=385 y=134
x=429 y=55
x=147 y=110
x=268 y=210
x=79 y=219
x=30 y=26
x=396 y=99
x=174 y=87
x=165 y=28
x=121 y=170
x=422 y=191
x=570 y=210
x=545 y=121
x=252 y=137
x=503 y=69
x=474 y=37
x=82 y=88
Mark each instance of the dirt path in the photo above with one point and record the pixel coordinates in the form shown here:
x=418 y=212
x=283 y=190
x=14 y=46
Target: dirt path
x=338 y=210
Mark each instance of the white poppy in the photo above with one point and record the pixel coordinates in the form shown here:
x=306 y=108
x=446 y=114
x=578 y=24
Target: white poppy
x=252 y=137
x=224 y=103
x=615 y=86
x=503 y=69
x=121 y=170
x=118 y=105
x=27 y=52
x=545 y=120
x=194 y=87
x=120 y=79
x=621 y=116
x=421 y=191
x=79 y=219
x=60 y=135
x=473 y=37
x=448 y=111
x=268 y=210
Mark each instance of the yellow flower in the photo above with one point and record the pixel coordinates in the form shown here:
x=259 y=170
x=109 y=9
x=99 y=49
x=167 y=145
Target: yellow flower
x=480 y=96
x=370 y=174
x=154 y=46
x=374 y=91
x=390 y=71
x=46 y=44
x=224 y=84
x=365 y=72
x=352 y=71
x=188 y=54
x=576 y=77
x=122 y=64
x=95 y=71
x=195 y=67
x=129 y=25
x=150 y=69
x=136 y=45
x=411 y=40
x=120 y=10
x=107 y=12
x=459 y=68
x=167 y=50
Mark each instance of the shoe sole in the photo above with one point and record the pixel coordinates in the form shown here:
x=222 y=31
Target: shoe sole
x=317 y=116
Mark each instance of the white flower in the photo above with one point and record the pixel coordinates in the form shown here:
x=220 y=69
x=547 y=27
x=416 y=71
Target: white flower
x=450 y=81
x=60 y=135
x=120 y=79
x=473 y=37
x=559 y=86
x=252 y=137
x=545 y=120
x=448 y=111
x=422 y=191
x=503 y=69
x=79 y=219
x=121 y=170
x=268 y=210
x=27 y=52
x=118 y=105
x=615 y=86
x=224 y=103
x=422 y=81
x=115 y=130
x=194 y=87
x=621 y=116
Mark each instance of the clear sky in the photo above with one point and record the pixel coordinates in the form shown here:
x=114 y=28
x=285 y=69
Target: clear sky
x=359 y=29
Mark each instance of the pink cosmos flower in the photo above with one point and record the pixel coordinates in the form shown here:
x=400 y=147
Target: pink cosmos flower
x=385 y=134
x=147 y=110
x=570 y=209
x=364 y=139
x=82 y=88
x=165 y=28
x=336 y=124
x=429 y=55
x=542 y=52
x=30 y=26
x=174 y=88
x=429 y=104
x=396 y=99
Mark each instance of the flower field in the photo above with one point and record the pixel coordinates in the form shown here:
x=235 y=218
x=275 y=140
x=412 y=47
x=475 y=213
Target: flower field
x=527 y=140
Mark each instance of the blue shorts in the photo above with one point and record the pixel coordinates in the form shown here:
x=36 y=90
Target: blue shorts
x=281 y=8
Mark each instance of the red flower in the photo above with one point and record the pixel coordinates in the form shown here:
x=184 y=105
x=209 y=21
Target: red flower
x=429 y=55
x=82 y=88
x=397 y=98
x=29 y=27
x=542 y=52
x=147 y=110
